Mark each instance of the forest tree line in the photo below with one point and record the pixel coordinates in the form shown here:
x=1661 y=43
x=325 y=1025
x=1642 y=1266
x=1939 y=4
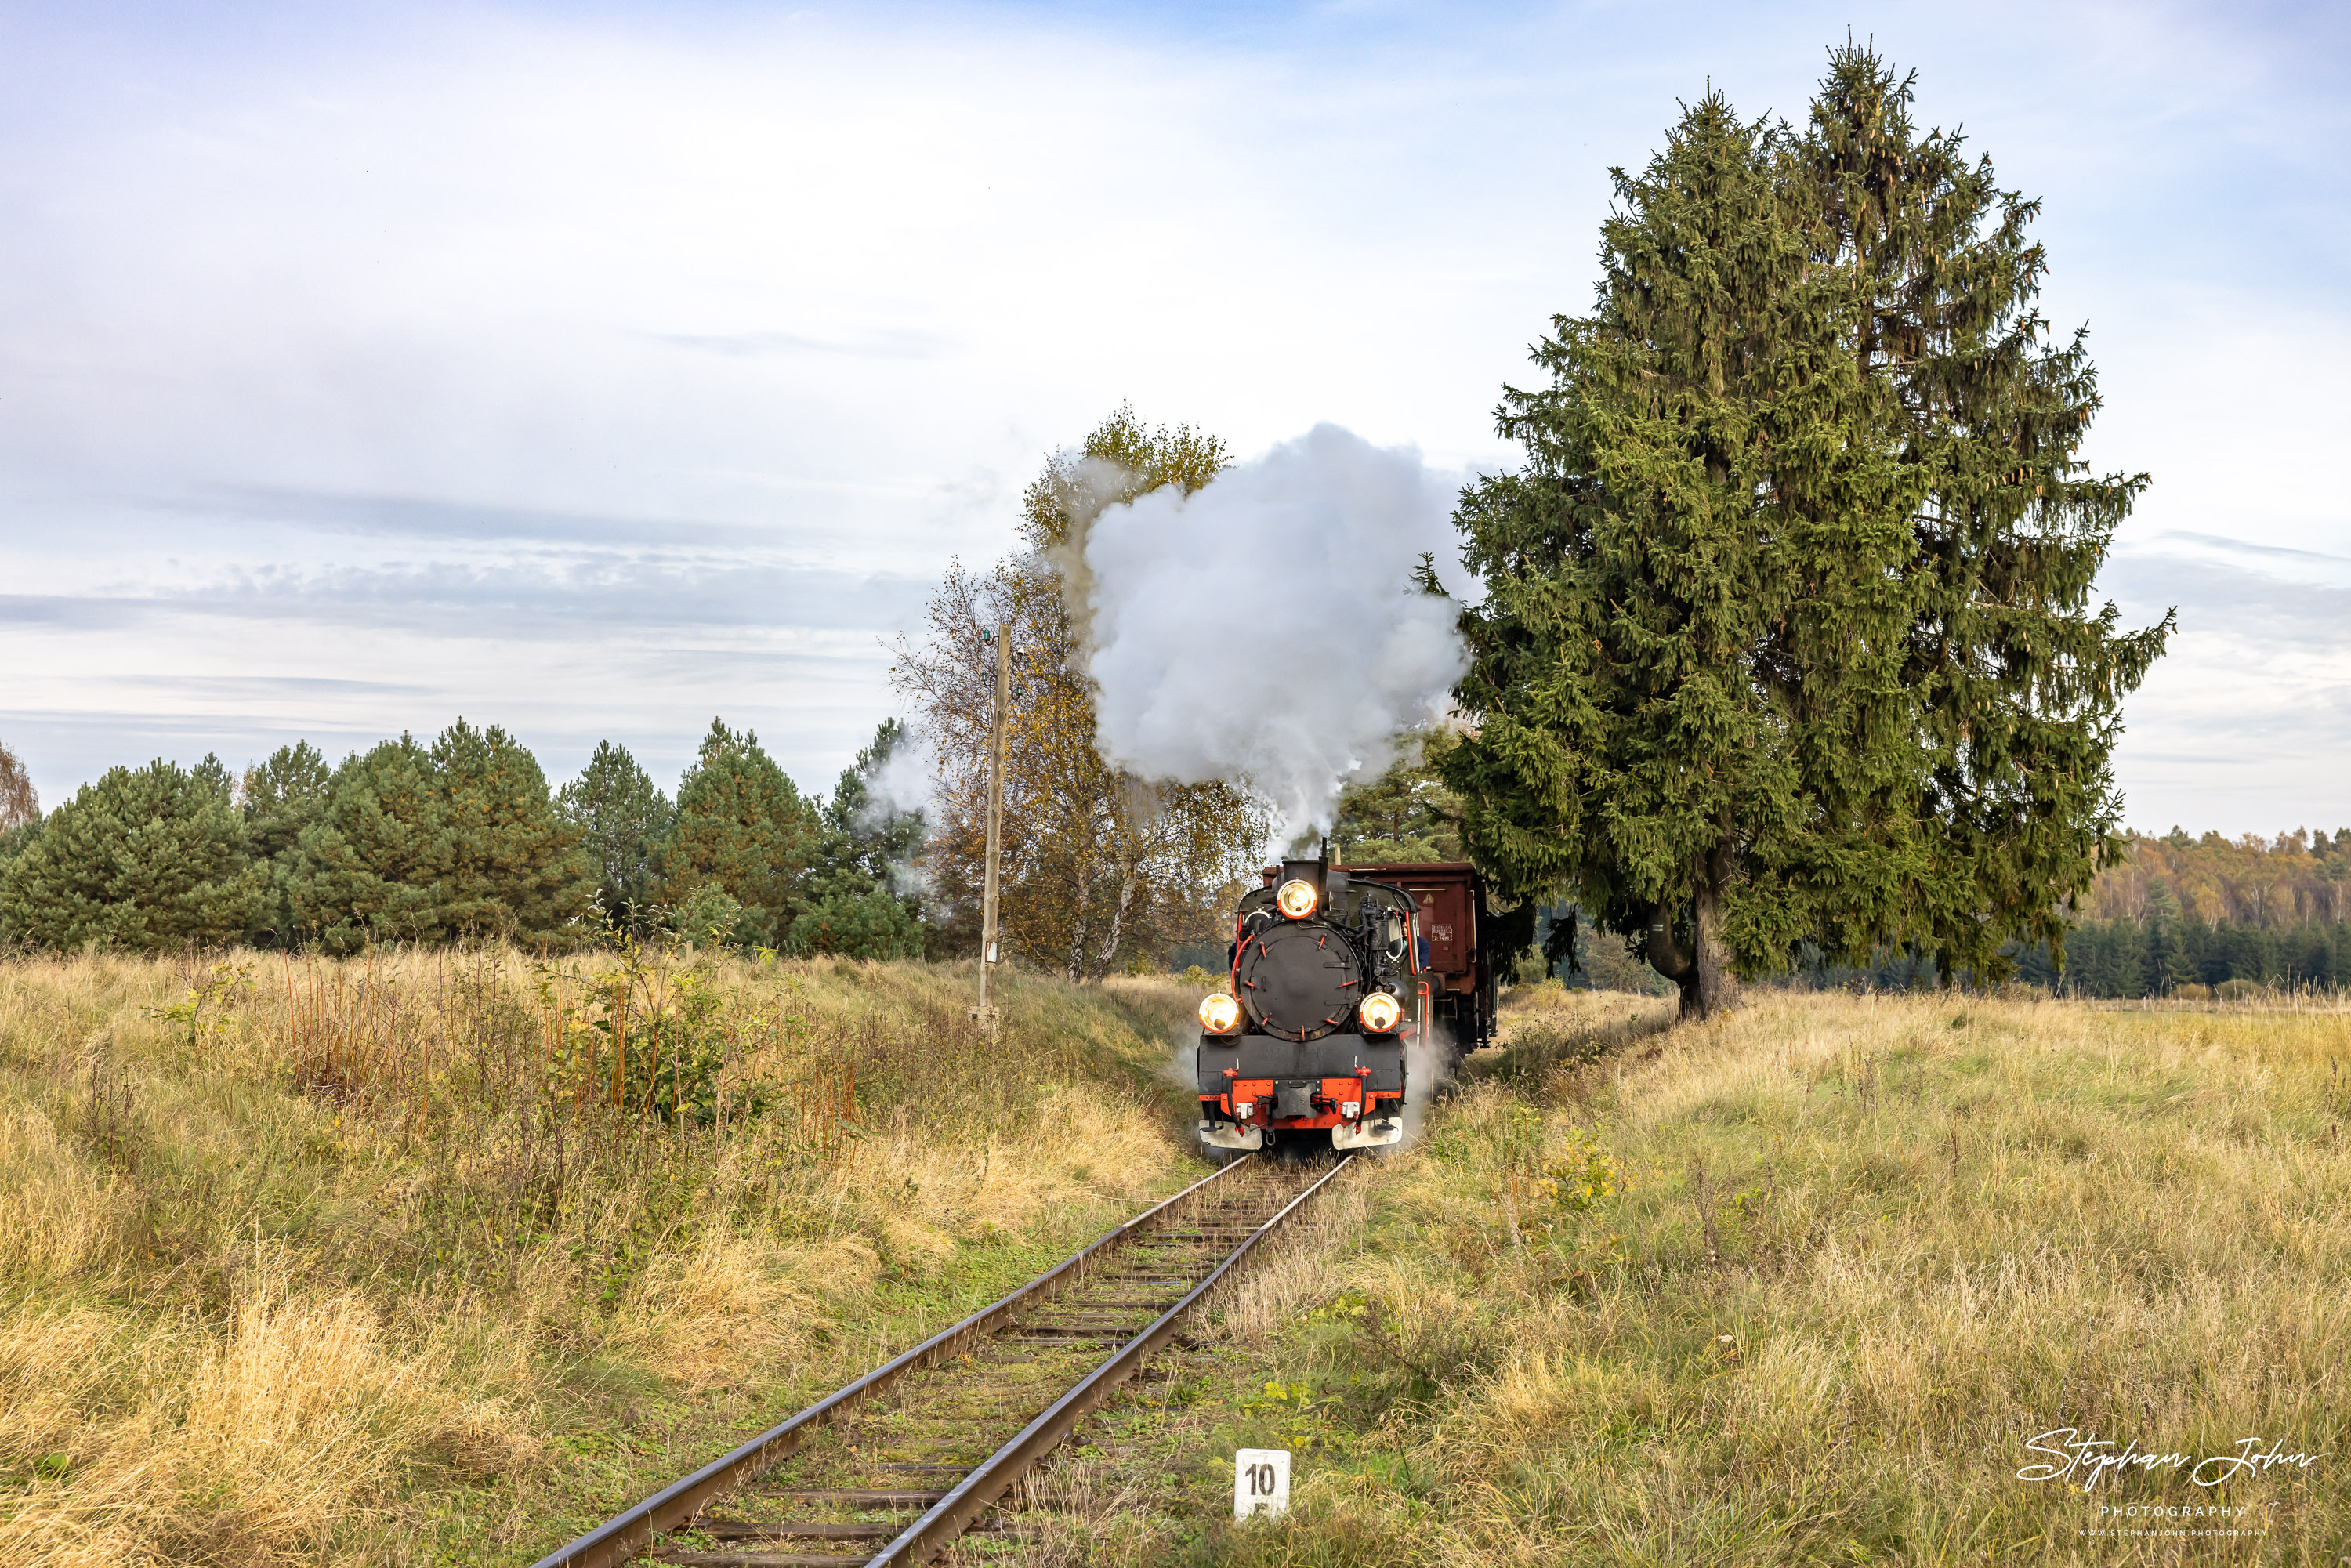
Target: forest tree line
x=2179 y=913
x=460 y=838
x=2175 y=916
x=463 y=837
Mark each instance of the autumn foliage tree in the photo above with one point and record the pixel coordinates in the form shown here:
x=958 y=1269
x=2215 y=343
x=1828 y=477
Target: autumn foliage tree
x=1098 y=865
x=1787 y=630
x=20 y=805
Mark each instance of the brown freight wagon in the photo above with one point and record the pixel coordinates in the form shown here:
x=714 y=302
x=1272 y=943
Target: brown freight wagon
x=1457 y=926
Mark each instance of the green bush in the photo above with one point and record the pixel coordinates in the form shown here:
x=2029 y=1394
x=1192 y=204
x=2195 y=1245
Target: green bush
x=870 y=924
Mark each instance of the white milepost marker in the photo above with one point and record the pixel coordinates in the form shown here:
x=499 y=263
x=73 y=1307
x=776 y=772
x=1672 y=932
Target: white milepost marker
x=1261 y=1482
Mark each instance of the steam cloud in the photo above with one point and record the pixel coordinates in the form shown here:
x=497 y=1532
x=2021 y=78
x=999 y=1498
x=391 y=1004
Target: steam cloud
x=1267 y=627
x=900 y=785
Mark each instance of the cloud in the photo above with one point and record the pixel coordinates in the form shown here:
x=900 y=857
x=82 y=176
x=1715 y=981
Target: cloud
x=514 y=600
x=2231 y=545
x=2243 y=725
x=426 y=518
x=881 y=345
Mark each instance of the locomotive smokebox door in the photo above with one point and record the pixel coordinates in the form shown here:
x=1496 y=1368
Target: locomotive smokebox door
x=1299 y=981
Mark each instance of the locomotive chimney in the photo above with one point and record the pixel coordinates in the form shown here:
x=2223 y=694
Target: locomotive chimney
x=1312 y=872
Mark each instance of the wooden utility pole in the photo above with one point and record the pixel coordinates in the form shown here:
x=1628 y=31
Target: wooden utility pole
x=1001 y=635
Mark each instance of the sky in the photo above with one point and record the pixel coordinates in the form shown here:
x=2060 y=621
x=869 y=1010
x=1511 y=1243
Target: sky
x=598 y=370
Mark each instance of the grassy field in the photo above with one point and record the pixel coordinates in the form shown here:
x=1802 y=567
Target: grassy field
x=1800 y=1286
x=363 y=1263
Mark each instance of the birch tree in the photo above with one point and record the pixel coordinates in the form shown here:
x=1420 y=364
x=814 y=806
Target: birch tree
x=1098 y=865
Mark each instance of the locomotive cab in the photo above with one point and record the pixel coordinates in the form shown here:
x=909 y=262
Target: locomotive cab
x=1308 y=1043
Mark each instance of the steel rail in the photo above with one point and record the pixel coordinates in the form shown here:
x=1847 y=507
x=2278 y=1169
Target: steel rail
x=976 y=1492
x=618 y=1537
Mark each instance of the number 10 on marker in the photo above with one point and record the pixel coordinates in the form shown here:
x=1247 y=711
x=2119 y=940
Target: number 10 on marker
x=1261 y=1482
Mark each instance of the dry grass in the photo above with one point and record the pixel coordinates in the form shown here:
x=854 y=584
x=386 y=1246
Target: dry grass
x=290 y=1257
x=1798 y=1286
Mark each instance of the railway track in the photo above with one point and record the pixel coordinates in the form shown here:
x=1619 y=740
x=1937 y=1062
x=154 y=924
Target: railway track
x=896 y=1466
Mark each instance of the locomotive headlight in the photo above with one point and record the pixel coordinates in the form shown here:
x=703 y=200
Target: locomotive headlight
x=1379 y=1013
x=1219 y=1014
x=1295 y=898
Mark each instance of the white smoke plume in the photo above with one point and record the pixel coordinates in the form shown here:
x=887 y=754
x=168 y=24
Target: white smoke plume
x=1427 y=1068
x=902 y=785
x=901 y=788
x=1267 y=628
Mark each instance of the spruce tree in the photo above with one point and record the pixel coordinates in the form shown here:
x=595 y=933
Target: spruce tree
x=143 y=859
x=621 y=817
x=743 y=827
x=1786 y=631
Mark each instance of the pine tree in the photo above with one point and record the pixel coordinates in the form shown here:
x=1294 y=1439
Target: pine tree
x=513 y=865
x=1405 y=814
x=418 y=844
x=281 y=797
x=742 y=826
x=855 y=905
x=143 y=859
x=868 y=924
x=883 y=837
x=366 y=869
x=621 y=817
x=1785 y=632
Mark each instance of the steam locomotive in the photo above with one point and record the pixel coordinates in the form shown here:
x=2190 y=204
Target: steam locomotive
x=1333 y=970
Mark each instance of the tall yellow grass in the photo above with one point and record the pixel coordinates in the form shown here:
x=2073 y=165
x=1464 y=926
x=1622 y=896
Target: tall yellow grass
x=291 y=1254
x=1801 y=1284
